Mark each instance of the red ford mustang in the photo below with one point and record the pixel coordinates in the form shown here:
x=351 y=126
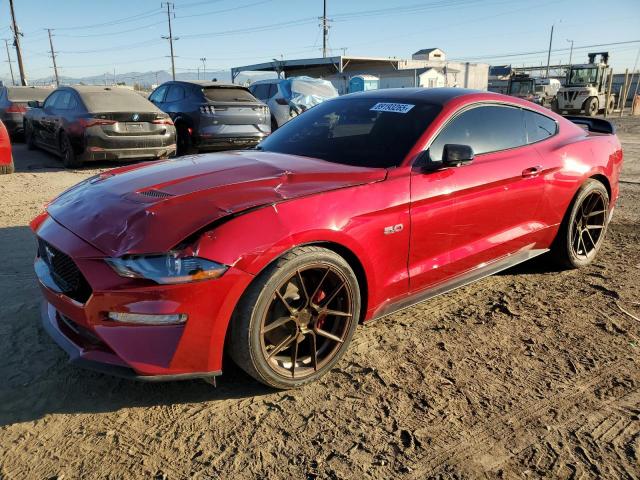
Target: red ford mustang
x=361 y=206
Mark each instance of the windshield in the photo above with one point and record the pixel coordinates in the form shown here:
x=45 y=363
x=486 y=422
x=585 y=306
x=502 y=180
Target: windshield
x=521 y=87
x=583 y=76
x=365 y=132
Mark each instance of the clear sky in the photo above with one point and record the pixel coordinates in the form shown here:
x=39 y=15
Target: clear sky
x=96 y=36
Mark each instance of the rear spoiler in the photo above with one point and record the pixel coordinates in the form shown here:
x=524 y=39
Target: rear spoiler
x=598 y=125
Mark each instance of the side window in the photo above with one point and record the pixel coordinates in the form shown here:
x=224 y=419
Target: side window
x=175 y=93
x=158 y=95
x=64 y=101
x=273 y=89
x=539 y=126
x=51 y=100
x=485 y=129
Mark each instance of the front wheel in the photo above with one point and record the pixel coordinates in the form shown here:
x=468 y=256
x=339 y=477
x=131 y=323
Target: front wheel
x=297 y=318
x=591 y=107
x=582 y=231
x=29 y=137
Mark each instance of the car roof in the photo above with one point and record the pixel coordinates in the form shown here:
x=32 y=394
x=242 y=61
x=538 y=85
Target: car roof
x=438 y=96
x=204 y=83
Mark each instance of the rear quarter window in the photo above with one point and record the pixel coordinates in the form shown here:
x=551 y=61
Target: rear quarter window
x=539 y=127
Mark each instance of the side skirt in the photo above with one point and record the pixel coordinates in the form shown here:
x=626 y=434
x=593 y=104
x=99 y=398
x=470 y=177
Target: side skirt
x=466 y=278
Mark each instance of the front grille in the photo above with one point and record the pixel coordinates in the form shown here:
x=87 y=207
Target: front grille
x=64 y=272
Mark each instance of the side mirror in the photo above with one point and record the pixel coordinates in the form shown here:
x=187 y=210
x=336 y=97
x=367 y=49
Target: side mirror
x=34 y=104
x=454 y=155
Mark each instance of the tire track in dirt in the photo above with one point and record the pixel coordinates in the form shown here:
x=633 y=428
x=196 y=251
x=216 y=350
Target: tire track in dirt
x=484 y=440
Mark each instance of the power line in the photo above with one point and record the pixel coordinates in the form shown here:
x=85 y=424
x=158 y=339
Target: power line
x=522 y=54
x=130 y=18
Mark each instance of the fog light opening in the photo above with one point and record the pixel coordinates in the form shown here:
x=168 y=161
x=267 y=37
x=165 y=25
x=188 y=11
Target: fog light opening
x=148 y=319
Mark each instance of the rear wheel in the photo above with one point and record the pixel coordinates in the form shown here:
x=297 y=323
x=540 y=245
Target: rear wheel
x=7 y=168
x=591 y=106
x=274 y=124
x=69 y=157
x=184 y=141
x=297 y=319
x=28 y=136
x=582 y=231
x=610 y=105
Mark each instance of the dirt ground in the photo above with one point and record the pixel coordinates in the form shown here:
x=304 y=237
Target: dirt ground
x=528 y=374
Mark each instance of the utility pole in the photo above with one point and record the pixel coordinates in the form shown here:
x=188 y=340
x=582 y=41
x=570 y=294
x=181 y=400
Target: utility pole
x=170 y=38
x=570 y=51
x=13 y=80
x=204 y=67
x=325 y=30
x=53 y=57
x=549 y=55
x=16 y=42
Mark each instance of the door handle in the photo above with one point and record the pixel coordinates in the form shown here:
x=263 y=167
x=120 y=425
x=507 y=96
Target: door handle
x=532 y=171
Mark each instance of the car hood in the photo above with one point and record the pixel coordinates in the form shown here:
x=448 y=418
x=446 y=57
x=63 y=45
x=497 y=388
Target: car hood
x=152 y=207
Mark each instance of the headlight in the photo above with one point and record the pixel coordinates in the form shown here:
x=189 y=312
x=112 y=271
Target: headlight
x=167 y=269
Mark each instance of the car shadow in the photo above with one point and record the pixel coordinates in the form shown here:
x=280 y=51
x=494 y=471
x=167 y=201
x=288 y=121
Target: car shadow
x=36 y=377
x=536 y=266
x=26 y=160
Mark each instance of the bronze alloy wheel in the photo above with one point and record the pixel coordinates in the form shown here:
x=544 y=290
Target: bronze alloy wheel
x=296 y=319
x=307 y=321
x=588 y=226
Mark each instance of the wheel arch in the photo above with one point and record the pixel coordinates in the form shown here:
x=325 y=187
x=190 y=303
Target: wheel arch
x=604 y=180
x=345 y=252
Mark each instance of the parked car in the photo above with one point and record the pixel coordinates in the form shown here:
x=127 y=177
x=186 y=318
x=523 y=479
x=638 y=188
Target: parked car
x=212 y=116
x=88 y=123
x=364 y=205
x=288 y=98
x=14 y=104
x=6 y=158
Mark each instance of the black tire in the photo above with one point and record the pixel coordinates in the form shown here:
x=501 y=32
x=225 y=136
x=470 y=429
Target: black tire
x=554 y=105
x=184 y=142
x=28 y=137
x=68 y=154
x=247 y=340
x=5 y=169
x=591 y=107
x=611 y=105
x=575 y=250
x=274 y=124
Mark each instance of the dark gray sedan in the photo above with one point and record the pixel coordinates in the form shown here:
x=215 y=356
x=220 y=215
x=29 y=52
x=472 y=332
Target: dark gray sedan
x=14 y=104
x=86 y=123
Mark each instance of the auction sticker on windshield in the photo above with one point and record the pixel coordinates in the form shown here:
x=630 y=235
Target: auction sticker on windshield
x=392 y=107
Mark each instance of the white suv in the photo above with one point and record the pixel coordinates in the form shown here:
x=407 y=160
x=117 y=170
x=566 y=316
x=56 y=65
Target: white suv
x=289 y=97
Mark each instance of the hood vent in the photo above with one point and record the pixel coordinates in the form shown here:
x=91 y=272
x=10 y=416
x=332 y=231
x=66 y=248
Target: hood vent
x=155 y=194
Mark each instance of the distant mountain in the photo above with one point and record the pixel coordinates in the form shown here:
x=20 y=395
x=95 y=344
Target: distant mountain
x=144 y=79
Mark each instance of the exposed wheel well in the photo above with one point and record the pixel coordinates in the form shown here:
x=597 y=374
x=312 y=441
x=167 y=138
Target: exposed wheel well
x=605 y=181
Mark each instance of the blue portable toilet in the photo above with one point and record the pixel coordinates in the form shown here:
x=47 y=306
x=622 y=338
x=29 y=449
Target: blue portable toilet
x=362 y=83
